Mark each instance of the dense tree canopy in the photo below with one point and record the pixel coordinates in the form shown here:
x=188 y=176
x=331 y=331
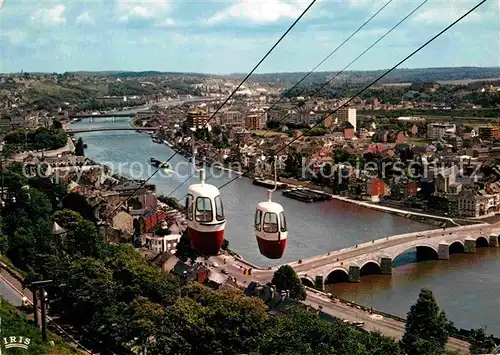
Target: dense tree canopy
x=41 y=138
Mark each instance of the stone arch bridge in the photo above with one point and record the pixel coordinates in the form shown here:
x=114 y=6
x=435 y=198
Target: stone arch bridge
x=376 y=257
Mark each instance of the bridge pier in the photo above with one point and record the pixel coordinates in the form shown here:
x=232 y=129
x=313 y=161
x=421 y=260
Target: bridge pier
x=494 y=241
x=444 y=251
x=354 y=273
x=320 y=285
x=386 y=266
x=470 y=245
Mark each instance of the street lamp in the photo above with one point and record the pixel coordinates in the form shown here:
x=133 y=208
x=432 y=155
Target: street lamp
x=59 y=232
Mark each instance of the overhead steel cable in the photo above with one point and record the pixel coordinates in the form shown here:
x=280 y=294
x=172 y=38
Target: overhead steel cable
x=221 y=106
x=299 y=82
x=371 y=84
x=316 y=92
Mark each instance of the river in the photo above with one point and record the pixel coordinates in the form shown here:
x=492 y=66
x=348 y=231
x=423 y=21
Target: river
x=466 y=286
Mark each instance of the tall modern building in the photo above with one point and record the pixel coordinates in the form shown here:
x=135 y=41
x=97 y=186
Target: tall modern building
x=255 y=119
x=197 y=118
x=438 y=130
x=346 y=114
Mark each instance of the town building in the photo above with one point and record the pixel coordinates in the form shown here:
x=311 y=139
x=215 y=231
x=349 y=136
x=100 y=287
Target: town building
x=160 y=243
x=255 y=119
x=346 y=114
x=232 y=118
x=489 y=133
x=197 y=118
x=439 y=130
x=456 y=142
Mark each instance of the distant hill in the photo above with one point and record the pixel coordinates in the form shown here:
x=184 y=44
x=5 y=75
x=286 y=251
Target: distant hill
x=397 y=76
x=137 y=74
x=288 y=79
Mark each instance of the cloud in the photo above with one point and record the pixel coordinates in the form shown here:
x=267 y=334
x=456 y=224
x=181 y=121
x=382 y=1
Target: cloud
x=439 y=16
x=50 y=16
x=145 y=9
x=14 y=36
x=168 y=23
x=364 y=4
x=260 y=11
x=84 y=17
x=439 y=12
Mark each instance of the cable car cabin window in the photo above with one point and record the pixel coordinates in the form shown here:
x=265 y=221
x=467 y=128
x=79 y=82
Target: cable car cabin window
x=258 y=218
x=282 y=222
x=189 y=207
x=270 y=222
x=219 y=209
x=203 y=209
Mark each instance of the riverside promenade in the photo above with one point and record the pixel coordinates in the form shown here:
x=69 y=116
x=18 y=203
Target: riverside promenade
x=68 y=148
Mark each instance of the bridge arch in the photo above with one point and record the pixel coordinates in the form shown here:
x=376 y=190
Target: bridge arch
x=337 y=275
x=370 y=267
x=424 y=252
x=482 y=241
x=307 y=281
x=457 y=247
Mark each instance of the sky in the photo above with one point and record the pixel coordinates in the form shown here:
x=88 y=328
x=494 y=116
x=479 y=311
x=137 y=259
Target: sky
x=228 y=36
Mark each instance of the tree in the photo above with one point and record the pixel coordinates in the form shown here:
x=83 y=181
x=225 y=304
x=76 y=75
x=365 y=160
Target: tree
x=426 y=326
x=225 y=244
x=480 y=343
x=340 y=156
x=293 y=164
x=285 y=278
x=79 y=203
x=303 y=332
x=211 y=322
x=79 y=149
x=57 y=124
x=89 y=289
x=67 y=219
x=82 y=237
x=184 y=250
x=142 y=317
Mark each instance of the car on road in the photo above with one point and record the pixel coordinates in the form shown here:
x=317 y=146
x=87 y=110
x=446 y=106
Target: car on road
x=359 y=324
x=224 y=271
x=215 y=265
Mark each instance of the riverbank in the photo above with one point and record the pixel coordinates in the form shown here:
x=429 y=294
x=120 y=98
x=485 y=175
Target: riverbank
x=420 y=217
x=68 y=148
x=438 y=221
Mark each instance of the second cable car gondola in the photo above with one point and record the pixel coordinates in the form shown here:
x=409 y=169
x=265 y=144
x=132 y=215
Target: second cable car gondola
x=270 y=226
x=205 y=217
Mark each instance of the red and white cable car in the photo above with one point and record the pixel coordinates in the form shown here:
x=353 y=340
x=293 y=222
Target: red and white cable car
x=270 y=226
x=205 y=217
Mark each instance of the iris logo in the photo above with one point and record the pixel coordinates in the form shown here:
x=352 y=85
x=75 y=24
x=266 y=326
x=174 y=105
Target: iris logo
x=16 y=342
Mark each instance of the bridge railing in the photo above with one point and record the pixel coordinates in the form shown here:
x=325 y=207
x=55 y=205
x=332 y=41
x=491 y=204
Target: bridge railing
x=394 y=237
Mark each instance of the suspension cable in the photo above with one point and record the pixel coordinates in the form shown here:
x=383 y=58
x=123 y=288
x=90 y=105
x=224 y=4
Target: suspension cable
x=220 y=107
x=316 y=92
x=371 y=84
x=282 y=96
